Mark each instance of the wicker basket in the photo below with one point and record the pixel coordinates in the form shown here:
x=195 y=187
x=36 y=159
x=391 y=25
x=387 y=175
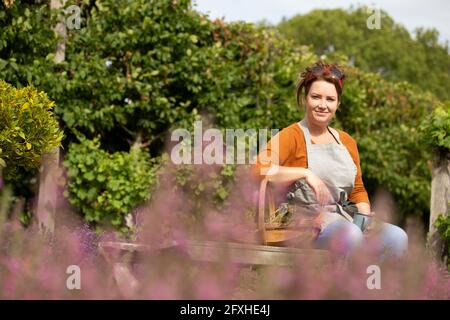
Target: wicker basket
x=299 y=234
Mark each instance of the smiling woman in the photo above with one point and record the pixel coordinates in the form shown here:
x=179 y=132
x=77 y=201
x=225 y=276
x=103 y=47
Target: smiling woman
x=327 y=160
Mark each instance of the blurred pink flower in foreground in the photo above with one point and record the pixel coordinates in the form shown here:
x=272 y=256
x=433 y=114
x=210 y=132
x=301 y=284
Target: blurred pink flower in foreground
x=34 y=268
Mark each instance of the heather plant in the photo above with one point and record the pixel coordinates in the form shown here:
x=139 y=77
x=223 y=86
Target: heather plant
x=31 y=267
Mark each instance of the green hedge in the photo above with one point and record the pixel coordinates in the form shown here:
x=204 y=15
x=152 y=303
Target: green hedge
x=384 y=118
x=27 y=40
x=139 y=68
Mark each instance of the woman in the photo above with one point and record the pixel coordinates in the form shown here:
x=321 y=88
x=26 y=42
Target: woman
x=328 y=161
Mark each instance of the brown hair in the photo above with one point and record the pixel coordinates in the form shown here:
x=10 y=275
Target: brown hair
x=332 y=73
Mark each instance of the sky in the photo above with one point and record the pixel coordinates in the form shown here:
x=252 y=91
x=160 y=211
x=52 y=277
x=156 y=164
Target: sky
x=410 y=13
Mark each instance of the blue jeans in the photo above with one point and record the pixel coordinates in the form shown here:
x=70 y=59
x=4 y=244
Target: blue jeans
x=344 y=237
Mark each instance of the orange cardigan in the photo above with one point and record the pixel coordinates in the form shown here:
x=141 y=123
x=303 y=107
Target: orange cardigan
x=292 y=153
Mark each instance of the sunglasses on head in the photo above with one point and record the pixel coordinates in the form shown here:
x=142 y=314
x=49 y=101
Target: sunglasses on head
x=320 y=70
x=327 y=70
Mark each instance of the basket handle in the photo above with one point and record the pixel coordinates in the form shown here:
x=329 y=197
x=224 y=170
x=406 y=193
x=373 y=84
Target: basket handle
x=264 y=189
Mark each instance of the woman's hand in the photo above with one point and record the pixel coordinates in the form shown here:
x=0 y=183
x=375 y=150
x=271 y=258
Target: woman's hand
x=320 y=188
x=364 y=207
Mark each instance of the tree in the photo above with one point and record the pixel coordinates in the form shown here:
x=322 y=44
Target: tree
x=390 y=50
x=27 y=38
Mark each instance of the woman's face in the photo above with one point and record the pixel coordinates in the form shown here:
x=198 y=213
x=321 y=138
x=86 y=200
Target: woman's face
x=321 y=102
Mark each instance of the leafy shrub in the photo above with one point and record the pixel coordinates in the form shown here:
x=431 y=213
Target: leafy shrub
x=204 y=185
x=436 y=134
x=442 y=224
x=437 y=127
x=106 y=187
x=28 y=129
